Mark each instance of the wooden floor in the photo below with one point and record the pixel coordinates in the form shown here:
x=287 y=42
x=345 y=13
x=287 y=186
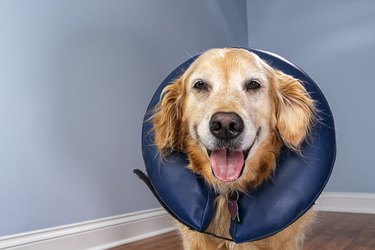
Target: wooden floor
x=333 y=231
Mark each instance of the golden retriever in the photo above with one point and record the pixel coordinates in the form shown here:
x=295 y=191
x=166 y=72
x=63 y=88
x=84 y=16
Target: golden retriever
x=231 y=112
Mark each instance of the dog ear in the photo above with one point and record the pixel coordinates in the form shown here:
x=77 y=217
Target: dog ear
x=295 y=110
x=167 y=118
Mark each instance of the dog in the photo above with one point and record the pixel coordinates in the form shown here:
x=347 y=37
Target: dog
x=231 y=113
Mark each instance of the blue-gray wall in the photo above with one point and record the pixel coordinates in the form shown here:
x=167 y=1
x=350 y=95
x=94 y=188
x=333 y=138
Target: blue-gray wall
x=334 y=41
x=75 y=80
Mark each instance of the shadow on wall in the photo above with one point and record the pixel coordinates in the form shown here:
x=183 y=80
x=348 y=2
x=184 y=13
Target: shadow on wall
x=92 y=96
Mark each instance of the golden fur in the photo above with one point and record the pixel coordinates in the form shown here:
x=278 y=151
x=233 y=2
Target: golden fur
x=282 y=109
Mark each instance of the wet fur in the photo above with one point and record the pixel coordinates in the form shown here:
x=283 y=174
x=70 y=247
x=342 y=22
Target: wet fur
x=291 y=114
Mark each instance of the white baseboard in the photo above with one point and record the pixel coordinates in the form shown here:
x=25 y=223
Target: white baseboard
x=346 y=202
x=94 y=235
x=118 y=230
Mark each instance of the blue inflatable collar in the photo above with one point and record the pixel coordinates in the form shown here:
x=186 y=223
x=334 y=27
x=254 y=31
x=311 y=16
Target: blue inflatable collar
x=271 y=207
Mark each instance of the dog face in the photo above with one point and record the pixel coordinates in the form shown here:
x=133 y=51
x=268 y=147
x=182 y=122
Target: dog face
x=231 y=112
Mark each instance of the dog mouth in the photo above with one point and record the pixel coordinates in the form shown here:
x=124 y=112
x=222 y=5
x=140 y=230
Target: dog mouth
x=227 y=164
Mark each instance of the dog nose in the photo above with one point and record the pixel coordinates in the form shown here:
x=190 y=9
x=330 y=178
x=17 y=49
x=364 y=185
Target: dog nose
x=226 y=125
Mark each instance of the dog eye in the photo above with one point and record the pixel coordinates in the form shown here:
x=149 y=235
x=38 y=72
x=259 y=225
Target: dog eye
x=200 y=85
x=252 y=85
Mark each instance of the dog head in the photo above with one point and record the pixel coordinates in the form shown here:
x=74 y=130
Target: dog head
x=230 y=112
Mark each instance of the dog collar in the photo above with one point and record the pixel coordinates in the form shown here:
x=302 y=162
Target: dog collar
x=270 y=208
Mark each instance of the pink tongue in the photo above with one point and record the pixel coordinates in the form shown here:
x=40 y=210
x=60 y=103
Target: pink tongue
x=227 y=165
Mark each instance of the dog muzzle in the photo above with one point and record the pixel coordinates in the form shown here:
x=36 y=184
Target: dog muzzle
x=265 y=211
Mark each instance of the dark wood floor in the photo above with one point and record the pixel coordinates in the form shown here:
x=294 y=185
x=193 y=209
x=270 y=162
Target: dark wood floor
x=333 y=231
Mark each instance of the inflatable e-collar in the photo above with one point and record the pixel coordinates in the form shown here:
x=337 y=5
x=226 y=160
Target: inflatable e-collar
x=297 y=184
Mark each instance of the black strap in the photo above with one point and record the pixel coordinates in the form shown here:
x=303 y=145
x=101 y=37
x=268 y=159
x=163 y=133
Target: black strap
x=147 y=181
